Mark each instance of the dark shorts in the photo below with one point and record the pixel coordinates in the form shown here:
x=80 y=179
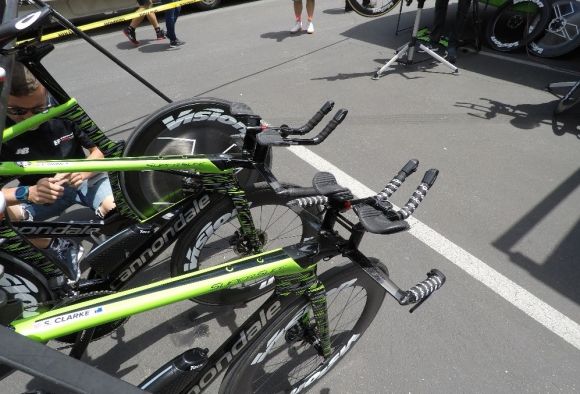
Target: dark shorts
x=144 y=3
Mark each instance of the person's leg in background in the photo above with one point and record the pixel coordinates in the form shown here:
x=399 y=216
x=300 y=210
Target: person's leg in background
x=129 y=31
x=438 y=23
x=298 y=15
x=310 y=14
x=463 y=8
x=171 y=16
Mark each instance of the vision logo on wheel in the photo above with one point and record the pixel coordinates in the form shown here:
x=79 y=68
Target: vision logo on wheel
x=209 y=115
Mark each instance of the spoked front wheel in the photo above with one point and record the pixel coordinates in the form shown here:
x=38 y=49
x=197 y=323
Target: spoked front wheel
x=215 y=238
x=373 y=8
x=285 y=357
x=516 y=23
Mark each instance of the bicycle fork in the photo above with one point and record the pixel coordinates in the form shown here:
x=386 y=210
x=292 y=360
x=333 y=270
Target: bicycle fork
x=317 y=297
x=318 y=334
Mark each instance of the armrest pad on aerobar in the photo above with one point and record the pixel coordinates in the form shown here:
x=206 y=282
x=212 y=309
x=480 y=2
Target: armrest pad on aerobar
x=376 y=222
x=325 y=184
x=270 y=137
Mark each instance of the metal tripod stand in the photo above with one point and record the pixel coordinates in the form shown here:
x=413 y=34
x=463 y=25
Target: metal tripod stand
x=409 y=48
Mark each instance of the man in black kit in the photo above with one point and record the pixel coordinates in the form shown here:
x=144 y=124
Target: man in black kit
x=39 y=197
x=456 y=31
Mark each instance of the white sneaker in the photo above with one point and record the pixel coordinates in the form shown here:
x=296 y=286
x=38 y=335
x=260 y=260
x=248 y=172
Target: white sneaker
x=310 y=29
x=297 y=27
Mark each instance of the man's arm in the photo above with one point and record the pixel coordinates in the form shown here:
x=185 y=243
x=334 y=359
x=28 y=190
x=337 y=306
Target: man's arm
x=46 y=191
x=76 y=178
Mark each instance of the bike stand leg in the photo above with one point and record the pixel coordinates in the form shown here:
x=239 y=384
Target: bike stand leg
x=400 y=53
x=559 y=85
x=439 y=58
x=409 y=48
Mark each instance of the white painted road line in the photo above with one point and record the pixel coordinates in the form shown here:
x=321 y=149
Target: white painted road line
x=522 y=299
x=530 y=63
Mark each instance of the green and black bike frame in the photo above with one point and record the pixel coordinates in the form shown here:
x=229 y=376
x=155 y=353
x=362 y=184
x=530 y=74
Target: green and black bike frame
x=216 y=173
x=294 y=269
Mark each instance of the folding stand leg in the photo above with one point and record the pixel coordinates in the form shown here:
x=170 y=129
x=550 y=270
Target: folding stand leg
x=397 y=30
x=569 y=100
x=400 y=53
x=559 y=85
x=410 y=47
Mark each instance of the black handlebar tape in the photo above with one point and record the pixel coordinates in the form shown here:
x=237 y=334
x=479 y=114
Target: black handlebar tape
x=336 y=120
x=419 y=194
x=306 y=202
x=398 y=179
x=430 y=177
x=435 y=279
x=326 y=108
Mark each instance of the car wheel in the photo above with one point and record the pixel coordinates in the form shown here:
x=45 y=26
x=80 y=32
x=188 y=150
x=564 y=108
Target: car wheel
x=206 y=5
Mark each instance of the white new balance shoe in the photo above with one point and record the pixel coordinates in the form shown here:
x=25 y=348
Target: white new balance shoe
x=297 y=27
x=310 y=29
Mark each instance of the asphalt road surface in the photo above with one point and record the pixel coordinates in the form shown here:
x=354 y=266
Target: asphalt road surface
x=502 y=221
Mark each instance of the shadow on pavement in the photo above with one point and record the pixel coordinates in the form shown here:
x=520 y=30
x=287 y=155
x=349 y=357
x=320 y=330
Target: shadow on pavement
x=561 y=269
x=527 y=116
x=183 y=329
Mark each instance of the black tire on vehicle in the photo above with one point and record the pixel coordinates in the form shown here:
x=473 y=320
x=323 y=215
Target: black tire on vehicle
x=562 y=32
x=206 y=5
x=353 y=300
x=373 y=8
x=191 y=126
x=213 y=239
x=516 y=23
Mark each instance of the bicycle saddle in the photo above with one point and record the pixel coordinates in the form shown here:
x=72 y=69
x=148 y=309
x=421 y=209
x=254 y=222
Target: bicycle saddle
x=23 y=25
x=376 y=221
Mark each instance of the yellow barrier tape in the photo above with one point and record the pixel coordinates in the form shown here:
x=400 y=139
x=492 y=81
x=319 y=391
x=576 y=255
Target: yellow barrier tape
x=115 y=20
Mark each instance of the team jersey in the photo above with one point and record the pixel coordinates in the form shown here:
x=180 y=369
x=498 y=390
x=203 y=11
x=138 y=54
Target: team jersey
x=56 y=139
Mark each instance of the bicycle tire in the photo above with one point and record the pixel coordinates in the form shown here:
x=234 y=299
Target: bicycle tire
x=373 y=8
x=199 y=125
x=23 y=281
x=346 y=287
x=516 y=23
x=213 y=239
x=562 y=33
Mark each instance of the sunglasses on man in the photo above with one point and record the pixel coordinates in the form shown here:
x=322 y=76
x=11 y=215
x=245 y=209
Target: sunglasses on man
x=21 y=111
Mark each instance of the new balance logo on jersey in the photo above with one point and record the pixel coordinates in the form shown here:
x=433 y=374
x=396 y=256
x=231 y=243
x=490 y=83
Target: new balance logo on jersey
x=23 y=151
x=62 y=139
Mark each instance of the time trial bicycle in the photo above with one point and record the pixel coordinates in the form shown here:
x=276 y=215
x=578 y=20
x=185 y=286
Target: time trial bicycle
x=305 y=327
x=198 y=201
